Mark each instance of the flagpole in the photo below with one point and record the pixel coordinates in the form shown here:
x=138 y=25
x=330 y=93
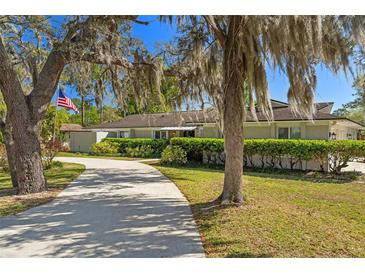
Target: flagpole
x=55 y=116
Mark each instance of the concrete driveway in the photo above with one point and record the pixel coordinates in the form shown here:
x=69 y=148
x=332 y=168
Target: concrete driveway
x=113 y=209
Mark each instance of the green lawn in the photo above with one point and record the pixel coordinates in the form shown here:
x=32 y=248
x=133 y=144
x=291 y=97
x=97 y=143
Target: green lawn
x=282 y=216
x=88 y=155
x=57 y=177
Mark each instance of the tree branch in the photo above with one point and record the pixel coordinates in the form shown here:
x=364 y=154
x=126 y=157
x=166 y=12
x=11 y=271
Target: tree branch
x=62 y=54
x=48 y=78
x=9 y=82
x=214 y=26
x=103 y=59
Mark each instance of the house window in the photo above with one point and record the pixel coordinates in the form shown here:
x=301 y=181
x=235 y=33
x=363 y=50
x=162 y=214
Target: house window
x=283 y=133
x=289 y=133
x=160 y=134
x=123 y=134
x=295 y=133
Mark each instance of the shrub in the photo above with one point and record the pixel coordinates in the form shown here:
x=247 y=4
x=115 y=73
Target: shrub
x=173 y=155
x=274 y=152
x=104 y=148
x=195 y=147
x=49 y=149
x=144 y=151
x=155 y=145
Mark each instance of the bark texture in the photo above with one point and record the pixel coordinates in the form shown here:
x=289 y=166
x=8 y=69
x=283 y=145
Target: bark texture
x=23 y=120
x=26 y=154
x=233 y=63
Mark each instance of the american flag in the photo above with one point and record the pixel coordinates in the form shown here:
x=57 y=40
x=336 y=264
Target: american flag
x=64 y=101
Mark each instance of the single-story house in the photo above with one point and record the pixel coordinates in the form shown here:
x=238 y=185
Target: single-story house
x=202 y=123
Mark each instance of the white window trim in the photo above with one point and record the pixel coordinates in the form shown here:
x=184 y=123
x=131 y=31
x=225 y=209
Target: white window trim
x=125 y=131
x=154 y=134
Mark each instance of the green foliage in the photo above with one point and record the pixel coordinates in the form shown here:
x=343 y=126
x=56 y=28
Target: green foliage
x=273 y=152
x=173 y=155
x=195 y=147
x=144 y=151
x=280 y=208
x=156 y=145
x=57 y=164
x=49 y=150
x=49 y=120
x=164 y=101
x=354 y=109
x=94 y=115
x=104 y=148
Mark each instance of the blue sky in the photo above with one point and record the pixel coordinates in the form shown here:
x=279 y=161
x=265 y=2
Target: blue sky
x=330 y=87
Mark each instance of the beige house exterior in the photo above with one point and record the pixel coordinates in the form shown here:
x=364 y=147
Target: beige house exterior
x=203 y=124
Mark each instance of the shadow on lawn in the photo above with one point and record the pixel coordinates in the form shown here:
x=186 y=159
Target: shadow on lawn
x=103 y=215
x=55 y=180
x=203 y=213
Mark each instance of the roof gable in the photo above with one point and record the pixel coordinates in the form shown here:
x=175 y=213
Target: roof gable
x=276 y=103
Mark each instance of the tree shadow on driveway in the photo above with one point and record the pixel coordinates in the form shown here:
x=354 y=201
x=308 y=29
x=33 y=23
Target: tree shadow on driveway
x=106 y=213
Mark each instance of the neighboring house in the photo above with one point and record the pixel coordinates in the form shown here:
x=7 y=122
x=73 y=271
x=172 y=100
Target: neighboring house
x=286 y=125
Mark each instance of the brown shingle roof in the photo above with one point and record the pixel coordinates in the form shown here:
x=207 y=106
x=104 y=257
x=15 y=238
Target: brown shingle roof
x=184 y=118
x=168 y=119
x=71 y=127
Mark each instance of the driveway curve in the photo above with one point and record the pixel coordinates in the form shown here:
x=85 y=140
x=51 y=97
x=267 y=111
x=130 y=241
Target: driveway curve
x=114 y=209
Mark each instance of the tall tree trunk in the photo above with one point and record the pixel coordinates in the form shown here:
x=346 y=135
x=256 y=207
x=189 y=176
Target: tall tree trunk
x=233 y=66
x=27 y=169
x=9 y=145
x=23 y=120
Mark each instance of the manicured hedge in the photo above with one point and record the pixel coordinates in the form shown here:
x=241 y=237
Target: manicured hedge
x=272 y=152
x=195 y=147
x=126 y=145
